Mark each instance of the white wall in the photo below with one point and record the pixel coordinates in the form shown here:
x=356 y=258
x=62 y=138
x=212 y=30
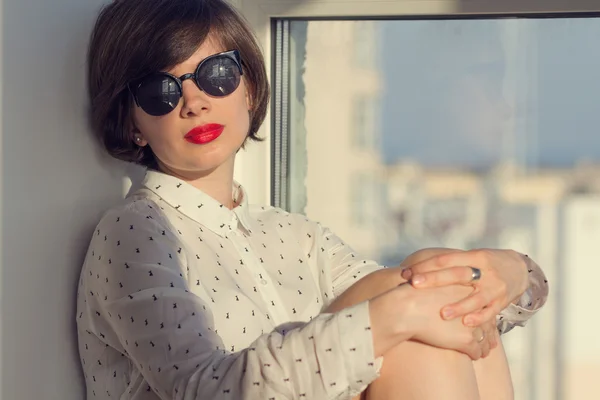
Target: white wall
x=54 y=187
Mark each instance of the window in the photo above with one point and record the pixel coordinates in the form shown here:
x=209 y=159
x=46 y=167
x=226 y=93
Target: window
x=365 y=122
x=364 y=43
x=483 y=134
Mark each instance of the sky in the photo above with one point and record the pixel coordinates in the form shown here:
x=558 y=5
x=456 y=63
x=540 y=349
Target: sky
x=472 y=92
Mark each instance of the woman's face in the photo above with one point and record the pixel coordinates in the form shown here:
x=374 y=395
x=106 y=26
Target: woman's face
x=192 y=157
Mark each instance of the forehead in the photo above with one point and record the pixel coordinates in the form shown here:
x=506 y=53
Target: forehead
x=209 y=47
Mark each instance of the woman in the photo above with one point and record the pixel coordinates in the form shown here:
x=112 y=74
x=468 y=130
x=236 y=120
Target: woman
x=188 y=292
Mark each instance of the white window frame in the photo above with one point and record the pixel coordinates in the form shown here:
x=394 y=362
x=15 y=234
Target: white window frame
x=253 y=168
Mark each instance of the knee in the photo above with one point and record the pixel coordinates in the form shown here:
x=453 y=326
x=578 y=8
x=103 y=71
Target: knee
x=451 y=293
x=424 y=254
x=412 y=362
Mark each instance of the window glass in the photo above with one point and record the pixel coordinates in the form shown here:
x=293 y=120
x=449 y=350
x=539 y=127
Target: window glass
x=462 y=133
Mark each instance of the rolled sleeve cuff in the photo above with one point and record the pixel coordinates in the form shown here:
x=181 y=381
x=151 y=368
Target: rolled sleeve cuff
x=534 y=298
x=512 y=316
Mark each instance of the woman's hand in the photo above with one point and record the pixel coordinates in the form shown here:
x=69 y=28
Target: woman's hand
x=504 y=278
x=491 y=337
x=405 y=313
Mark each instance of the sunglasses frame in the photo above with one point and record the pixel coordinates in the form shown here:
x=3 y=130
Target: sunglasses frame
x=231 y=54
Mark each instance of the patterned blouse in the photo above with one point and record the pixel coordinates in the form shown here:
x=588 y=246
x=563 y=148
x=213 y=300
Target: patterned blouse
x=183 y=298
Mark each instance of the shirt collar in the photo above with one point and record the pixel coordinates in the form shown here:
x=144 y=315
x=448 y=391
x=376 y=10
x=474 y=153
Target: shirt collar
x=199 y=206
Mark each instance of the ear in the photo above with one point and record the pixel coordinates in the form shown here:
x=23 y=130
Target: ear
x=247 y=94
x=139 y=140
x=248 y=100
x=137 y=136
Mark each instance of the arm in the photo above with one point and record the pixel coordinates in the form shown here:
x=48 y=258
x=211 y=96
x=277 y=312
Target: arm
x=346 y=268
x=168 y=334
x=376 y=281
x=386 y=279
x=355 y=280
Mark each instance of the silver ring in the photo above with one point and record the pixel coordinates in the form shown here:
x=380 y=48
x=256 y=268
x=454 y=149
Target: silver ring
x=475 y=274
x=481 y=338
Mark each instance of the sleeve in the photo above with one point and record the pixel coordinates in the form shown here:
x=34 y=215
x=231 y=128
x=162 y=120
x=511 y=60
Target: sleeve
x=518 y=313
x=345 y=266
x=168 y=334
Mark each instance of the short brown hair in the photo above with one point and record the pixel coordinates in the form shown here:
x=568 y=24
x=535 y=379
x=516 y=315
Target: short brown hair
x=133 y=38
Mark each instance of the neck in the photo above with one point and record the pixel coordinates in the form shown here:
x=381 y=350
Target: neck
x=216 y=183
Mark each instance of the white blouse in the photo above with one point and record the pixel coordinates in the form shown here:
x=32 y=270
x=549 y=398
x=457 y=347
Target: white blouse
x=182 y=298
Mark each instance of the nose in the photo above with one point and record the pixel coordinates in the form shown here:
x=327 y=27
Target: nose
x=195 y=101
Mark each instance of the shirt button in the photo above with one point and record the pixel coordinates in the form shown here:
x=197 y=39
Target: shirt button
x=263 y=281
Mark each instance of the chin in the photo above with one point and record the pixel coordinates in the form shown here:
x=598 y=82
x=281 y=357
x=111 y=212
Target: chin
x=206 y=166
x=213 y=161
x=193 y=168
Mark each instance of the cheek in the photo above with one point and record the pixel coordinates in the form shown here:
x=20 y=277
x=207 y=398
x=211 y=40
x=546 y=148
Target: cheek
x=239 y=113
x=246 y=90
x=156 y=130
x=142 y=122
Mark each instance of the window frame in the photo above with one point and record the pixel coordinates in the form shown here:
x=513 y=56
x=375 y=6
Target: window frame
x=254 y=166
x=262 y=13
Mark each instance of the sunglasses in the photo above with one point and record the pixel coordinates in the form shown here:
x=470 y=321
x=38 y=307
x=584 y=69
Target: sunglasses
x=218 y=76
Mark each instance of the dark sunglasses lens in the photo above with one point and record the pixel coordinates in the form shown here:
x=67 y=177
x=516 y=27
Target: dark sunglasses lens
x=158 y=95
x=219 y=76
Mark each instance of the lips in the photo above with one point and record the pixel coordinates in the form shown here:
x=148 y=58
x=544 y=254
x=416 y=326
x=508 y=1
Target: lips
x=204 y=134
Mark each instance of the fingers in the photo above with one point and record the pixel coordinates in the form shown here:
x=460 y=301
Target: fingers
x=460 y=262
x=474 y=351
x=478 y=334
x=424 y=263
x=489 y=341
x=443 y=277
x=452 y=259
x=471 y=304
x=475 y=347
x=486 y=335
x=482 y=338
x=490 y=338
x=492 y=334
x=485 y=346
x=488 y=313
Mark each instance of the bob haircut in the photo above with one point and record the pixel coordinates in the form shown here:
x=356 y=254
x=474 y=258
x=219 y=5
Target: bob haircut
x=133 y=38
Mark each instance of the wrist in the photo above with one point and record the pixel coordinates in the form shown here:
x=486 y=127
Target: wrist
x=391 y=320
x=525 y=270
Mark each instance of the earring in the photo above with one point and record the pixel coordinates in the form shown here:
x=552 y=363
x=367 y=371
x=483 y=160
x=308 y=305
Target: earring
x=138 y=139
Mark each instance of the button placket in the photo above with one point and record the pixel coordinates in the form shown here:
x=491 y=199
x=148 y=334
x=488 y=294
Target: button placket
x=268 y=292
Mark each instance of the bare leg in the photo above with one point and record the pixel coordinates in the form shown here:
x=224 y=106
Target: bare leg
x=414 y=371
x=420 y=372
x=493 y=376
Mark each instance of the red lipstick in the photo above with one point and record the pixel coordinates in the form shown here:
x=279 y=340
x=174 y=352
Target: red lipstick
x=204 y=134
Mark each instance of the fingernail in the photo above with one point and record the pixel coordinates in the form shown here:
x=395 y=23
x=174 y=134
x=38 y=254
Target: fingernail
x=418 y=279
x=406 y=273
x=448 y=313
x=469 y=321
